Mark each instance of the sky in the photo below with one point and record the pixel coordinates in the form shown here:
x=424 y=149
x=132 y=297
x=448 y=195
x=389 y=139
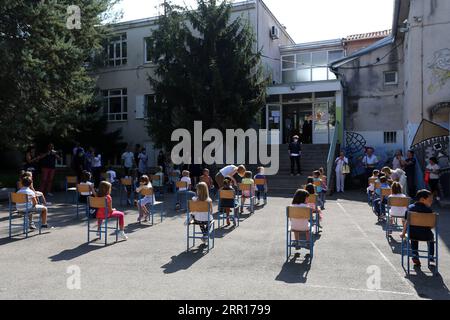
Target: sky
x=306 y=20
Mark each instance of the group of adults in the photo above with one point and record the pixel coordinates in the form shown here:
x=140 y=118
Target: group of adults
x=43 y=163
x=87 y=160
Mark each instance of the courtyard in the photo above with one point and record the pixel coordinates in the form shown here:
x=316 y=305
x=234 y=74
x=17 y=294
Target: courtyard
x=247 y=262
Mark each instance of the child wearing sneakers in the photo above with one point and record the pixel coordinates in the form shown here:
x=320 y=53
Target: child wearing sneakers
x=247 y=180
x=261 y=189
x=311 y=190
x=318 y=188
x=33 y=204
x=39 y=195
x=144 y=183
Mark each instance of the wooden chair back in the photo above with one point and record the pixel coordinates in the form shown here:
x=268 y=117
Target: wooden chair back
x=299 y=213
x=97 y=202
x=422 y=219
x=200 y=206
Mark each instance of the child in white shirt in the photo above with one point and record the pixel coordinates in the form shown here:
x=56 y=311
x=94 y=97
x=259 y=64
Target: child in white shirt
x=145 y=183
x=32 y=204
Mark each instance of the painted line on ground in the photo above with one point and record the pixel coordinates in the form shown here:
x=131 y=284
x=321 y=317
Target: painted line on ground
x=359 y=289
x=375 y=247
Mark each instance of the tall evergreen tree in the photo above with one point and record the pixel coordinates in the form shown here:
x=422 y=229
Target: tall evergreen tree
x=45 y=87
x=208 y=69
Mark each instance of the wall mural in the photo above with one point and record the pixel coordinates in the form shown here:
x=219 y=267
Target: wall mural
x=440 y=67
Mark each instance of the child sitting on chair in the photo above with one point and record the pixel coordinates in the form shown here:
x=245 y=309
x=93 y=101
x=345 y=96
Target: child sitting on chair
x=371 y=187
x=377 y=201
x=144 y=183
x=86 y=180
x=261 y=189
x=32 y=198
x=318 y=188
x=311 y=190
x=397 y=212
x=227 y=204
x=104 y=190
x=201 y=218
x=187 y=179
x=300 y=225
x=247 y=180
x=39 y=195
x=206 y=178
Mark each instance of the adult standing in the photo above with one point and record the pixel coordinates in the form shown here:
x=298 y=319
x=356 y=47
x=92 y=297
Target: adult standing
x=96 y=167
x=340 y=175
x=398 y=160
x=79 y=162
x=295 y=151
x=143 y=161
x=48 y=165
x=370 y=162
x=410 y=170
x=229 y=172
x=128 y=161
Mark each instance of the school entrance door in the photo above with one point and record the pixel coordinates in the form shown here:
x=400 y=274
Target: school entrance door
x=298 y=121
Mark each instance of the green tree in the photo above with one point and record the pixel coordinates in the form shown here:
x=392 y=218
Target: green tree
x=45 y=87
x=208 y=69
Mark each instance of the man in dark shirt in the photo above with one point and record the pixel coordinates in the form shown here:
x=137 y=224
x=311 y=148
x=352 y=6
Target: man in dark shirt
x=295 y=150
x=410 y=170
x=423 y=205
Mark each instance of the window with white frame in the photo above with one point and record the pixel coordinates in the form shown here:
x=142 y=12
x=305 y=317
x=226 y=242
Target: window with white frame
x=115 y=104
x=309 y=66
x=148 y=51
x=390 y=137
x=117 y=50
x=391 y=78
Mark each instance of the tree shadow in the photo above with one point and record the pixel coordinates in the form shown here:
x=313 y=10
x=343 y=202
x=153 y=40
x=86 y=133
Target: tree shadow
x=79 y=251
x=428 y=286
x=293 y=272
x=185 y=260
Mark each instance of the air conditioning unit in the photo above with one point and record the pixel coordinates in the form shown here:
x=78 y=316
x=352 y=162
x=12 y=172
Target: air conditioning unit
x=274 y=33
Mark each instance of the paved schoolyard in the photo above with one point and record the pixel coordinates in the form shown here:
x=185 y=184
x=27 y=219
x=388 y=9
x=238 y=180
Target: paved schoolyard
x=246 y=263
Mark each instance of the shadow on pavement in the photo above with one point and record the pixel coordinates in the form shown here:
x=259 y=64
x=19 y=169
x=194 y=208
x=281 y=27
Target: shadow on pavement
x=82 y=249
x=184 y=260
x=293 y=272
x=428 y=286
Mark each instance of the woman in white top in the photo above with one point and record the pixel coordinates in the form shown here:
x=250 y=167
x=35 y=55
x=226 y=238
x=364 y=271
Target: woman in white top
x=398 y=160
x=96 y=167
x=202 y=218
x=434 y=169
x=397 y=212
x=229 y=172
x=340 y=176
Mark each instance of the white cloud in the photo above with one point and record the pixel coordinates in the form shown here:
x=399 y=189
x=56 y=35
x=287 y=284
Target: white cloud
x=306 y=20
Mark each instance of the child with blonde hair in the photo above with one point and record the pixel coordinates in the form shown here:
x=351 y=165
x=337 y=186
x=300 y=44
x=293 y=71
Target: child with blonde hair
x=201 y=218
x=246 y=194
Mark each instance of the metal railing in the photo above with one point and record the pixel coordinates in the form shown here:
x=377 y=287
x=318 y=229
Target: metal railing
x=331 y=155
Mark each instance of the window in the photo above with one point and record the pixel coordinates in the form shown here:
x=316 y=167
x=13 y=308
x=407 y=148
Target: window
x=390 y=137
x=309 y=66
x=150 y=101
x=147 y=51
x=391 y=78
x=116 y=104
x=117 y=50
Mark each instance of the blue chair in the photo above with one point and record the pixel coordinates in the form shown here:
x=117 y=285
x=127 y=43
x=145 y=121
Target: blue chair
x=151 y=207
x=180 y=193
x=314 y=199
x=126 y=183
x=71 y=187
x=103 y=227
x=395 y=202
x=251 y=189
x=262 y=183
x=83 y=188
x=222 y=216
x=299 y=213
x=385 y=193
x=429 y=220
x=21 y=200
x=377 y=186
x=191 y=233
x=370 y=196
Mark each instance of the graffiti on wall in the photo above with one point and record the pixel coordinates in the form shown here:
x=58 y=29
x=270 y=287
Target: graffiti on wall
x=356 y=146
x=440 y=67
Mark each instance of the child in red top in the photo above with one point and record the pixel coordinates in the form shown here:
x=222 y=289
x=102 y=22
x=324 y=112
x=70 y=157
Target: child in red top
x=104 y=190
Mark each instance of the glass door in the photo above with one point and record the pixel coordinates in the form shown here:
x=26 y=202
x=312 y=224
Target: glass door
x=321 y=134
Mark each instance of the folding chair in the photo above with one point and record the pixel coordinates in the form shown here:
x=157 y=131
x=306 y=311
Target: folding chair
x=251 y=189
x=200 y=206
x=222 y=216
x=262 y=183
x=21 y=199
x=82 y=188
x=151 y=193
x=179 y=194
x=417 y=219
x=99 y=203
x=385 y=193
x=126 y=183
x=369 y=196
x=394 y=202
x=313 y=198
x=298 y=213
x=71 y=186
x=160 y=188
